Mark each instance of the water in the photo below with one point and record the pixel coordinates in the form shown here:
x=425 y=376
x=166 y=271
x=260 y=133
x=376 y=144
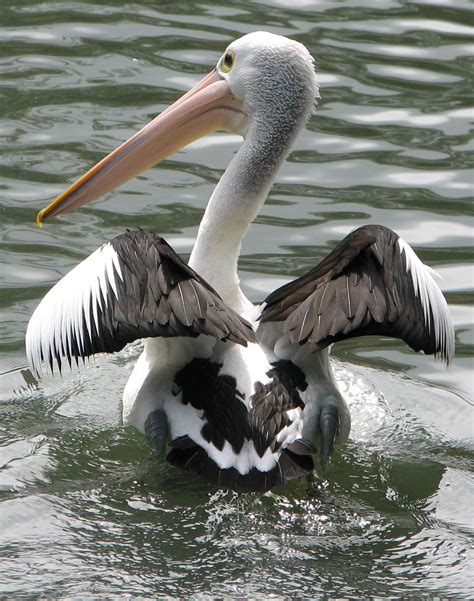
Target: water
x=84 y=508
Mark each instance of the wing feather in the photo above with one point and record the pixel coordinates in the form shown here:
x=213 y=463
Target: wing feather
x=372 y=283
x=132 y=287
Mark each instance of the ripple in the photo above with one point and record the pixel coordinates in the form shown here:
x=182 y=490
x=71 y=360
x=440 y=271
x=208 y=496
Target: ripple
x=412 y=74
x=453 y=122
x=24 y=462
x=398 y=26
x=449 y=52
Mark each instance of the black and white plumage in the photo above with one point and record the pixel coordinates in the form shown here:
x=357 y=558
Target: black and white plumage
x=133 y=287
x=371 y=284
x=228 y=420
x=242 y=396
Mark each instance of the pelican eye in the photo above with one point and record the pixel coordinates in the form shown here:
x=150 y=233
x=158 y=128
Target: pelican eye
x=228 y=61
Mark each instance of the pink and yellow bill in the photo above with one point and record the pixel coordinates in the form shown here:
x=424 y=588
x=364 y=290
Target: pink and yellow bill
x=209 y=106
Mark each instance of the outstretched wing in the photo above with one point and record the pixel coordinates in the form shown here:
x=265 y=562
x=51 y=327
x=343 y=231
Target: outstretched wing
x=133 y=287
x=371 y=283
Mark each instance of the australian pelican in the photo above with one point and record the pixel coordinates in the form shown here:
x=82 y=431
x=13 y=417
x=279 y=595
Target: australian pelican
x=243 y=396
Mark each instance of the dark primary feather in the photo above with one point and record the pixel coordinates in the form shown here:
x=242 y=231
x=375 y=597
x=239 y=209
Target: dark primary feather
x=361 y=288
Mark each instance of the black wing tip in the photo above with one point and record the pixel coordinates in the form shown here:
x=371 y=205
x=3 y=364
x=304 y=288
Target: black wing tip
x=57 y=365
x=445 y=355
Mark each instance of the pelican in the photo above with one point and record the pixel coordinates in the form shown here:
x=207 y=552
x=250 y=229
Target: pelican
x=244 y=396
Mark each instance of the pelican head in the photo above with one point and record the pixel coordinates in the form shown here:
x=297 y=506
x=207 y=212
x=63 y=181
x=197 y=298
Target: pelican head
x=264 y=86
x=272 y=76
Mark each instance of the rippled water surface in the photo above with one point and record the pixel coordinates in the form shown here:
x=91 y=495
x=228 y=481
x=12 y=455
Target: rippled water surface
x=84 y=508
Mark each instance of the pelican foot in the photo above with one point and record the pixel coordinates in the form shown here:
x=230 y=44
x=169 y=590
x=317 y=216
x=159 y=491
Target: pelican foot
x=329 y=429
x=156 y=431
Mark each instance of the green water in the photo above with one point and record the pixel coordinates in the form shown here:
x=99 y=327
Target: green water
x=85 y=510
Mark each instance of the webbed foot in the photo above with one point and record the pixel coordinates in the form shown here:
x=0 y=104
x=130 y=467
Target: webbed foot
x=156 y=431
x=328 y=430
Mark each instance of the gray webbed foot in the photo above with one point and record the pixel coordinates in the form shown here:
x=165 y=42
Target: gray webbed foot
x=328 y=429
x=156 y=431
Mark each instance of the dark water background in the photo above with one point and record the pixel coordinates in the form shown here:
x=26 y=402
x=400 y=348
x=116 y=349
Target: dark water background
x=84 y=508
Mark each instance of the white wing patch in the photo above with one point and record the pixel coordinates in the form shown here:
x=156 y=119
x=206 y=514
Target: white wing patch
x=63 y=319
x=432 y=300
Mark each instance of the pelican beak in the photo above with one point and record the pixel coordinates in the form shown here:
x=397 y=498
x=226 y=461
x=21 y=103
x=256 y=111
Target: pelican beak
x=208 y=107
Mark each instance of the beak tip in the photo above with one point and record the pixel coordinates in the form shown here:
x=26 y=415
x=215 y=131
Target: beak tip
x=39 y=218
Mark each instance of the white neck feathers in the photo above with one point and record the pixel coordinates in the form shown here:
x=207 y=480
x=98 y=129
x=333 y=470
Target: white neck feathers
x=234 y=204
